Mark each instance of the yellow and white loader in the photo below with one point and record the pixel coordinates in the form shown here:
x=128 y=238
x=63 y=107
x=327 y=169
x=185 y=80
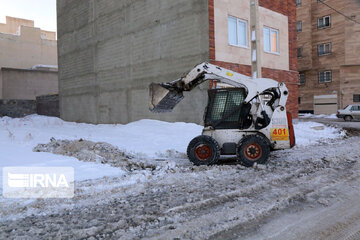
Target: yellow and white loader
x=246 y=117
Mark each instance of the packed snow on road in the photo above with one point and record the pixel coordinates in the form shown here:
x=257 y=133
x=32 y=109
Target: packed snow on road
x=135 y=181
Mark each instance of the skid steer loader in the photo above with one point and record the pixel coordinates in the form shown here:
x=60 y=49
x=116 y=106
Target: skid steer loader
x=245 y=117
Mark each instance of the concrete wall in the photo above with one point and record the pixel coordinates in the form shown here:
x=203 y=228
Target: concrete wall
x=111 y=50
x=48 y=105
x=240 y=55
x=27 y=84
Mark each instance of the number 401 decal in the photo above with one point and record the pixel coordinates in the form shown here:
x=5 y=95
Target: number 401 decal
x=279 y=134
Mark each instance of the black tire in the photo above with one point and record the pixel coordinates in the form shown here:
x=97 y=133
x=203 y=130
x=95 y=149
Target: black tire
x=203 y=150
x=348 y=118
x=253 y=149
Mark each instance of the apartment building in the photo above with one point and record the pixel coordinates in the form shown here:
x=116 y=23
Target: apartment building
x=111 y=50
x=328 y=54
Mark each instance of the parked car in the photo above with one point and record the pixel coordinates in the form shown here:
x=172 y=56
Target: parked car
x=349 y=113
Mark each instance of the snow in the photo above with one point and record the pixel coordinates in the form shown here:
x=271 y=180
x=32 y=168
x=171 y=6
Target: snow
x=145 y=139
x=43 y=66
x=309 y=115
x=254 y=56
x=253 y=36
x=309 y=133
x=174 y=184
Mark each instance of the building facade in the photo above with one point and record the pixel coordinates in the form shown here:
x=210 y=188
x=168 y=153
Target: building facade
x=28 y=60
x=23 y=46
x=328 y=54
x=27 y=84
x=111 y=50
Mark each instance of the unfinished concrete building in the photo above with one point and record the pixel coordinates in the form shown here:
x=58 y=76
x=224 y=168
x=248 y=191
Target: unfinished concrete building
x=111 y=50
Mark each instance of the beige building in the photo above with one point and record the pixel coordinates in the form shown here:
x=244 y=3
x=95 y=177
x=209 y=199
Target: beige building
x=28 y=60
x=328 y=54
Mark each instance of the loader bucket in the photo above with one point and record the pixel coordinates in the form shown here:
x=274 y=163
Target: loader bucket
x=162 y=98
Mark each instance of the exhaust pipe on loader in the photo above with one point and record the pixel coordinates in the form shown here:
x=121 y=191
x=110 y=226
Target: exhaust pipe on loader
x=164 y=97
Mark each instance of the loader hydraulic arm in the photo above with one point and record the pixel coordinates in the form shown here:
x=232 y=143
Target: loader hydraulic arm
x=165 y=96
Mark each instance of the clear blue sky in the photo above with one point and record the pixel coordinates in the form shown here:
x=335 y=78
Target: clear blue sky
x=43 y=12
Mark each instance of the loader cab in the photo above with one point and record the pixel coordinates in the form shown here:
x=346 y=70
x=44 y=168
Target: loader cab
x=226 y=109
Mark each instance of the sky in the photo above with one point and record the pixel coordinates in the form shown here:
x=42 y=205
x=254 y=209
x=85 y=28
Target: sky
x=43 y=12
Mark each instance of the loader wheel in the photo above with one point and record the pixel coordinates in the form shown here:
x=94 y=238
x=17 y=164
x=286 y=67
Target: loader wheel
x=253 y=149
x=203 y=150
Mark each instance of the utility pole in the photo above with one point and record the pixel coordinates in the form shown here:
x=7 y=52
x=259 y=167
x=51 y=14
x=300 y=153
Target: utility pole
x=255 y=39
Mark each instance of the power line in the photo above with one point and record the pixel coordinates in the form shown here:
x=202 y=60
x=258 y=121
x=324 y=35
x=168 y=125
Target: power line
x=338 y=12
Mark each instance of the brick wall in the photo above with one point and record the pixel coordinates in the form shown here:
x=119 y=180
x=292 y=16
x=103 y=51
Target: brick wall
x=287 y=8
x=291 y=79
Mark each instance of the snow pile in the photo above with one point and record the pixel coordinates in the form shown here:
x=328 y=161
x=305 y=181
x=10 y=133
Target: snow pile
x=309 y=133
x=309 y=115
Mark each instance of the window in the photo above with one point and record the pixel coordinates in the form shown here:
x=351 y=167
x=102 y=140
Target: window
x=299 y=26
x=325 y=77
x=224 y=108
x=271 y=40
x=356 y=98
x=324 y=49
x=299 y=52
x=298 y=2
x=238 y=34
x=302 y=78
x=324 y=22
x=299 y=100
x=355 y=108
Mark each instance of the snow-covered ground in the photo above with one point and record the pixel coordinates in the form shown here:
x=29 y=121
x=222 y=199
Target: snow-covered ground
x=309 y=115
x=167 y=196
x=145 y=139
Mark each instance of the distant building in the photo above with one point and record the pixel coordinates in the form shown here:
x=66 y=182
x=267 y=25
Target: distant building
x=328 y=54
x=28 y=60
x=111 y=50
x=23 y=46
x=27 y=84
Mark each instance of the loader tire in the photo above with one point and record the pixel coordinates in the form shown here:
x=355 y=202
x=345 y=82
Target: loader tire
x=253 y=149
x=203 y=150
